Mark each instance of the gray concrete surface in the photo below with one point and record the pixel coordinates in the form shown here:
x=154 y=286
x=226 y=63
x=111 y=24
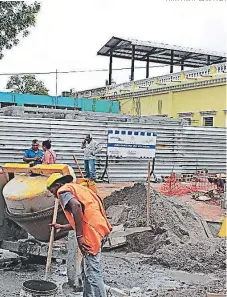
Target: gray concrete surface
x=122 y=271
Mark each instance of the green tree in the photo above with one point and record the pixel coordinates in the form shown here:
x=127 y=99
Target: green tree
x=26 y=84
x=15 y=19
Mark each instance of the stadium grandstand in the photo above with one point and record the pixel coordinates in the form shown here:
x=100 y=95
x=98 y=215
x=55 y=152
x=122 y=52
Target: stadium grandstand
x=196 y=93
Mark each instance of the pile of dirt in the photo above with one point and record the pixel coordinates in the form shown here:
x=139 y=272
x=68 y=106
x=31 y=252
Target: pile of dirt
x=179 y=237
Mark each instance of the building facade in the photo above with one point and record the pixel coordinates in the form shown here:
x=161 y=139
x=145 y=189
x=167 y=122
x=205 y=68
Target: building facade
x=197 y=95
x=201 y=103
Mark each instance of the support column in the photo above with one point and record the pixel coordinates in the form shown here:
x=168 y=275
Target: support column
x=133 y=63
x=182 y=65
x=147 y=67
x=171 y=62
x=110 y=67
x=208 y=60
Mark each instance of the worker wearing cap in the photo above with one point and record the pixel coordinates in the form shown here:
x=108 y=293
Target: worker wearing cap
x=85 y=214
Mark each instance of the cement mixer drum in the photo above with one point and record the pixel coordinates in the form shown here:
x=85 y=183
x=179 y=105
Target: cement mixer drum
x=27 y=194
x=29 y=203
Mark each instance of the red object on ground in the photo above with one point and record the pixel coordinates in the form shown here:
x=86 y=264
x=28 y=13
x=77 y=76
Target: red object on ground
x=174 y=187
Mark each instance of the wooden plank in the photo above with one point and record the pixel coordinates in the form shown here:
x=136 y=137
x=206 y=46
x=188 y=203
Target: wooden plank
x=148 y=193
x=6 y=256
x=118 y=238
x=69 y=292
x=219 y=221
x=113 y=243
x=51 y=241
x=115 y=292
x=206 y=228
x=129 y=231
x=27 y=248
x=216 y=295
x=118 y=228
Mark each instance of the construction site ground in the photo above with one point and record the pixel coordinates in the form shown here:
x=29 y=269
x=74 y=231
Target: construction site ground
x=125 y=269
x=207 y=211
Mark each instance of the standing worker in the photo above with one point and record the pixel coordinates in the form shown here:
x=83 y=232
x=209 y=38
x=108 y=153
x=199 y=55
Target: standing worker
x=49 y=154
x=91 y=148
x=33 y=156
x=85 y=214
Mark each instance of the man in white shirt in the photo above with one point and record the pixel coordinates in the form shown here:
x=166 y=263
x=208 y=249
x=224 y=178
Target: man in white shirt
x=91 y=149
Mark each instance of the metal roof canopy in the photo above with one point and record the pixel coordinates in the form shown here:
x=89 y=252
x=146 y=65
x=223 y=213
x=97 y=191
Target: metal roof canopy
x=154 y=52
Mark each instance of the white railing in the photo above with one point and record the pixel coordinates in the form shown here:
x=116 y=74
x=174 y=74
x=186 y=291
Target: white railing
x=159 y=81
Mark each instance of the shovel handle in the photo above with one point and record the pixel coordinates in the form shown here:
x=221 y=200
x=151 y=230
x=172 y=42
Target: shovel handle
x=78 y=166
x=51 y=242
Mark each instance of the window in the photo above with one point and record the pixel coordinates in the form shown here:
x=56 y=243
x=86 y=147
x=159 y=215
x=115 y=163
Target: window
x=208 y=121
x=188 y=121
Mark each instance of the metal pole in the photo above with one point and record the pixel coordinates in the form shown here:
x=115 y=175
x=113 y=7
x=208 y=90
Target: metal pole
x=208 y=60
x=56 y=88
x=110 y=67
x=133 y=63
x=147 y=67
x=171 y=62
x=148 y=193
x=182 y=66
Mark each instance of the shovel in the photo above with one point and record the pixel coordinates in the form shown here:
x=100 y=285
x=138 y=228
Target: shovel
x=78 y=166
x=43 y=287
x=51 y=242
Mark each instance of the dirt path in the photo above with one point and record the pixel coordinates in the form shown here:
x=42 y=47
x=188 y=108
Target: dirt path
x=178 y=259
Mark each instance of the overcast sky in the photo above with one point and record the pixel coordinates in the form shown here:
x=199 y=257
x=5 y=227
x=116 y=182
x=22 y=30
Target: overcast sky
x=69 y=33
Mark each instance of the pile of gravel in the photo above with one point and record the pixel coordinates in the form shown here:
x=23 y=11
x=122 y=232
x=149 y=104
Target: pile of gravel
x=179 y=237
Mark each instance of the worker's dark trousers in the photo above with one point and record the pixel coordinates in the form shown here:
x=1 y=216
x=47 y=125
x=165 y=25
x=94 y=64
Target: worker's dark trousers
x=93 y=285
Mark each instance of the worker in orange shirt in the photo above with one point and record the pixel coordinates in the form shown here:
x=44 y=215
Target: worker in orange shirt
x=85 y=214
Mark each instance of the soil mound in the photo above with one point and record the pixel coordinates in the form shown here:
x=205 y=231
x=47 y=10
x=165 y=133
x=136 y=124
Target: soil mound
x=179 y=237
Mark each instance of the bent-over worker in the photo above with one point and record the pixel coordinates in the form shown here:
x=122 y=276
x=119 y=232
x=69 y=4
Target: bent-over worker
x=85 y=213
x=91 y=149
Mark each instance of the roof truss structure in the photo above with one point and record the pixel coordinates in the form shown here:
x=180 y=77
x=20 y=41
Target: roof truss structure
x=160 y=53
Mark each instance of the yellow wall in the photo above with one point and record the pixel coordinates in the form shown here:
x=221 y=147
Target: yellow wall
x=191 y=100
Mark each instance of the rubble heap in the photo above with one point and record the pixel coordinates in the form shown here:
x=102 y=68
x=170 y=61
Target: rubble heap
x=179 y=237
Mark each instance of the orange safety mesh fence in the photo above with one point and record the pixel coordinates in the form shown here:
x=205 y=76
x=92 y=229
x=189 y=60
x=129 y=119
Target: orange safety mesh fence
x=174 y=187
